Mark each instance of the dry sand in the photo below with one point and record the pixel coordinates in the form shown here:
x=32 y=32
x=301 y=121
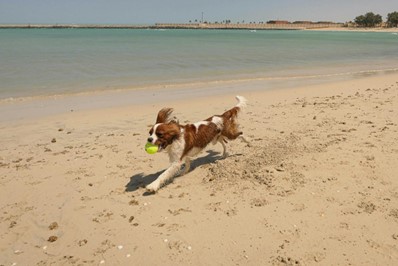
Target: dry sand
x=318 y=185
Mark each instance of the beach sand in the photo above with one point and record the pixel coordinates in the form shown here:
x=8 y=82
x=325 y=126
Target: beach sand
x=317 y=185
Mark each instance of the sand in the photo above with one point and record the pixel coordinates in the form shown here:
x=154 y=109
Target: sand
x=317 y=186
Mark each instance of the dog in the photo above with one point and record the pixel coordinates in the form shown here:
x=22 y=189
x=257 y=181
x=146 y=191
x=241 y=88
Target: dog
x=182 y=142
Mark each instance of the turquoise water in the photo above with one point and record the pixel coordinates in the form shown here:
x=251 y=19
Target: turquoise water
x=57 y=61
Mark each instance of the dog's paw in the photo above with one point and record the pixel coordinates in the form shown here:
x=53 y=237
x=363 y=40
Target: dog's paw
x=152 y=188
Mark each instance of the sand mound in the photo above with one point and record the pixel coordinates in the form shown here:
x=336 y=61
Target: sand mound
x=264 y=163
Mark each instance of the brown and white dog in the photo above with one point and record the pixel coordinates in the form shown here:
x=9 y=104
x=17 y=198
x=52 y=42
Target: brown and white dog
x=182 y=142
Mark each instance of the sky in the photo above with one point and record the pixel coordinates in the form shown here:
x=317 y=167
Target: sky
x=183 y=11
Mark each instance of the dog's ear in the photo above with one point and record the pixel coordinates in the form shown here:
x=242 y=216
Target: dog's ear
x=174 y=131
x=164 y=116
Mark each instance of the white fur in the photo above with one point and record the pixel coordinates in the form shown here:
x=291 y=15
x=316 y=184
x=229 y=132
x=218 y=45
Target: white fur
x=165 y=176
x=153 y=136
x=176 y=148
x=242 y=102
x=218 y=121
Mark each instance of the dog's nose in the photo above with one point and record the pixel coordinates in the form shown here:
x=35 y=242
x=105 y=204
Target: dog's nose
x=150 y=139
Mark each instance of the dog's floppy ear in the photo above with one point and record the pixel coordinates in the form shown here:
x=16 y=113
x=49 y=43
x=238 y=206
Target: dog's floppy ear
x=164 y=116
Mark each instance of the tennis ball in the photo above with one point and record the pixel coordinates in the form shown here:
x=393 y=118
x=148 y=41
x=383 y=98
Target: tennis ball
x=151 y=148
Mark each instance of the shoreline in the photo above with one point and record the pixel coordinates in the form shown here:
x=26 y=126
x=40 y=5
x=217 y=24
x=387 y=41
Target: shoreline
x=197 y=83
x=210 y=26
x=32 y=107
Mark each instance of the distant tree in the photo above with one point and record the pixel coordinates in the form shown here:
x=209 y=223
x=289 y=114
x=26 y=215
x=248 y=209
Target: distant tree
x=392 y=19
x=360 y=20
x=368 y=20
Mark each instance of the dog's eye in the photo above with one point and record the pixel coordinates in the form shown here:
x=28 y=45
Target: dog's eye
x=160 y=135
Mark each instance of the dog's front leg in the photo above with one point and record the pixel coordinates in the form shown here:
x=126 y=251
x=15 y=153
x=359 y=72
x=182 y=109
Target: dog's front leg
x=187 y=165
x=164 y=177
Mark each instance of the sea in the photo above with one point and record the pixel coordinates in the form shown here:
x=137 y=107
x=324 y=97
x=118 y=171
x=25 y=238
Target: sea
x=45 y=62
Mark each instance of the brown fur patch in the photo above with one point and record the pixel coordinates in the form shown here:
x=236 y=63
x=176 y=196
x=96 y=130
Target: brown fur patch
x=198 y=137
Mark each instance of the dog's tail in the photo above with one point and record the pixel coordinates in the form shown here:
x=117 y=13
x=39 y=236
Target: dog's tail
x=242 y=102
x=233 y=112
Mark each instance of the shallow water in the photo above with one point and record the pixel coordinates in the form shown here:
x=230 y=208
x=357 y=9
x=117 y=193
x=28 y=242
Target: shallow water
x=60 y=61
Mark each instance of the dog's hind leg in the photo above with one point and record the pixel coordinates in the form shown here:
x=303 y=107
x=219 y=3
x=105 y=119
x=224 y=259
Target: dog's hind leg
x=224 y=146
x=244 y=138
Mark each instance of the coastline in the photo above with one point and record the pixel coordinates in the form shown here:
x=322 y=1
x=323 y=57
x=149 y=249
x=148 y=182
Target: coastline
x=317 y=185
x=220 y=26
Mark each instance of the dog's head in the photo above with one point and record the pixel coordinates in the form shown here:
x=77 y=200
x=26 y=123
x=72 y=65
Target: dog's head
x=166 y=129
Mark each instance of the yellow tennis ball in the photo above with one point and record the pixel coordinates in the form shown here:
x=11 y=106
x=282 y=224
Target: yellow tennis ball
x=151 y=148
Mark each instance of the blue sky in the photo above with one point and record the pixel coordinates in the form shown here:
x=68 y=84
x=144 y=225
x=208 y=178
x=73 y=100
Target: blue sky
x=181 y=11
